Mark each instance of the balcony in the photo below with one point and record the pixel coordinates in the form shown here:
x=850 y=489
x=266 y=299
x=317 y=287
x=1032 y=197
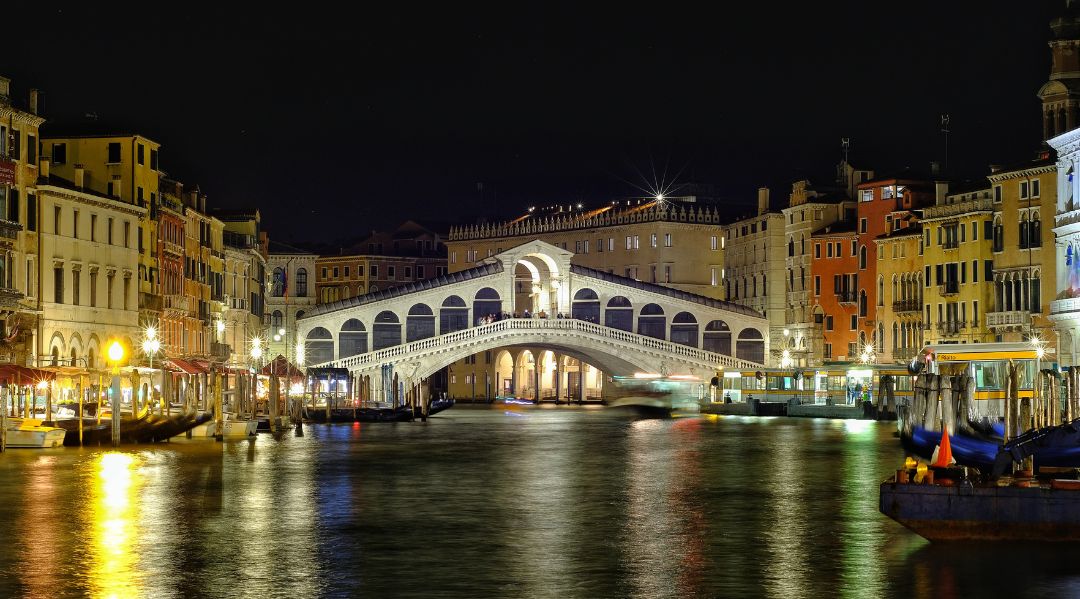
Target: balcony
x=1069 y=306
x=907 y=306
x=10 y=298
x=949 y=288
x=950 y=327
x=173 y=248
x=950 y=244
x=847 y=297
x=9 y=229
x=1010 y=319
x=220 y=351
x=149 y=302
x=178 y=303
x=904 y=354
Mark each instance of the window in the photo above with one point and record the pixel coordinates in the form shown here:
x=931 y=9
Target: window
x=828 y=250
x=854 y=322
x=114 y=152
x=58 y=284
x=611 y=244
x=817 y=285
x=56 y=220
x=667 y=273
x=408 y=273
x=712 y=276
x=374 y=271
x=974 y=231
x=75 y=290
x=141 y=154
x=888 y=192
x=301 y=282
x=817 y=250
x=652 y=273
x=419 y=271
x=652 y=240
x=93 y=288
x=324 y=273
x=154 y=159
x=93 y=227
x=109 y=289
x=667 y=240
x=59 y=153
x=854 y=245
x=866 y=195
x=109 y=232
x=1034 y=188
x=636 y=242
x=586 y=242
x=127 y=236
x=712 y=243
x=862 y=225
x=31 y=212
x=829 y=323
x=629 y=242
x=1023 y=190
x=862 y=257
x=139 y=196
x=336 y=272
x=391 y=272
x=13 y=205
x=346 y=272
x=997 y=194
x=75 y=224
x=453 y=257
x=127 y=291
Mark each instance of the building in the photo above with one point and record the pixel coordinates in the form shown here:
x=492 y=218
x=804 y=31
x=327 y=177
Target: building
x=884 y=204
x=673 y=242
x=1024 y=273
x=754 y=270
x=900 y=267
x=119 y=164
x=291 y=295
x=20 y=303
x=382 y=260
x=958 y=265
x=834 y=269
x=244 y=285
x=810 y=208
x=89 y=291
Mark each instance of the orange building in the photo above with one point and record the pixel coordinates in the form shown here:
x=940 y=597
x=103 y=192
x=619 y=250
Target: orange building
x=834 y=272
x=884 y=203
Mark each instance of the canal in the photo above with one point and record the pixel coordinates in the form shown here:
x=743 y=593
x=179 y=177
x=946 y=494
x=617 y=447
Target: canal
x=493 y=502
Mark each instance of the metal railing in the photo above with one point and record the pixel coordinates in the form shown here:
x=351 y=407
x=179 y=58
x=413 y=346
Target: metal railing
x=846 y=297
x=949 y=288
x=951 y=327
x=907 y=306
x=513 y=327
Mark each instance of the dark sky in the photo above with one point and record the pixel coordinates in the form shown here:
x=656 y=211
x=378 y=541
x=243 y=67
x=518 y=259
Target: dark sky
x=335 y=123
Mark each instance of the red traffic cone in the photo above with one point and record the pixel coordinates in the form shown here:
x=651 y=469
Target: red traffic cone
x=944 y=453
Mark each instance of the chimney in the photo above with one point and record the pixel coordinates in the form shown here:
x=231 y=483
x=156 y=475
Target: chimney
x=935 y=168
x=80 y=176
x=762 y=200
x=43 y=169
x=940 y=189
x=995 y=168
x=34 y=101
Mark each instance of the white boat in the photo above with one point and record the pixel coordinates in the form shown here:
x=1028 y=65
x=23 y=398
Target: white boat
x=28 y=432
x=205 y=430
x=238 y=428
x=655 y=395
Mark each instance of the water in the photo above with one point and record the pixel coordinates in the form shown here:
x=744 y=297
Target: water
x=482 y=502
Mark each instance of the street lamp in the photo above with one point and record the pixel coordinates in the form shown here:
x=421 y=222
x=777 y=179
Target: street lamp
x=151 y=344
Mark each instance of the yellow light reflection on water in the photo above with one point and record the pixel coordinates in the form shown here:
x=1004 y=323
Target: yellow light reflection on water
x=114 y=574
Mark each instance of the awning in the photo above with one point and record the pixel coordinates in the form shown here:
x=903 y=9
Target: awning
x=279 y=366
x=21 y=375
x=186 y=366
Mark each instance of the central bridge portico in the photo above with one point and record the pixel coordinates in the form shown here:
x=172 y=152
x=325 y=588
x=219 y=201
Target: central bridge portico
x=531 y=295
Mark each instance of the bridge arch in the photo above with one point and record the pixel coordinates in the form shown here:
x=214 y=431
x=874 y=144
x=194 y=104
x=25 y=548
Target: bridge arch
x=619 y=314
x=420 y=323
x=586 y=305
x=717 y=337
x=352 y=339
x=386 y=332
x=319 y=346
x=453 y=315
x=750 y=345
x=684 y=329
x=652 y=322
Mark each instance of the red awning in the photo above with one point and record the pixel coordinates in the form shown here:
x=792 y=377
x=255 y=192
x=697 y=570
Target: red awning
x=188 y=367
x=21 y=375
x=279 y=366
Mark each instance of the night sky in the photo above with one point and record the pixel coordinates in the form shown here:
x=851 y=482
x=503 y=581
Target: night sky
x=336 y=123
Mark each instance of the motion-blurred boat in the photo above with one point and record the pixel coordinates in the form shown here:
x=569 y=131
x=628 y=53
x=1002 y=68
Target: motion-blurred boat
x=30 y=433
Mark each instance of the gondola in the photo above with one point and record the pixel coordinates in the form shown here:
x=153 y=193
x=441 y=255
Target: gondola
x=438 y=405
x=147 y=428
x=399 y=414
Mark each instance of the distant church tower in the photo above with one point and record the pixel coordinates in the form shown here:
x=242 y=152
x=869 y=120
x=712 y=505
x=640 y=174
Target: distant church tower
x=1061 y=95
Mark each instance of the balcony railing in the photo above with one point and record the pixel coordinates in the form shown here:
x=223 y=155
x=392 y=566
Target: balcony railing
x=951 y=244
x=221 y=351
x=949 y=288
x=178 y=303
x=1005 y=319
x=951 y=327
x=905 y=306
x=847 y=297
x=903 y=354
x=9 y=229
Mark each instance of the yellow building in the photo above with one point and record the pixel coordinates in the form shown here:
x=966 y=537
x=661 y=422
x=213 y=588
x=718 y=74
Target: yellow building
x=123 y=166
x=1024 y=270
x=900 y=296
x=20 y=301
x=958 y=266
x=675 y=242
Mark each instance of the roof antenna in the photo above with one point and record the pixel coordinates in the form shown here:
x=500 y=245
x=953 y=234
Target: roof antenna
x=945 y=130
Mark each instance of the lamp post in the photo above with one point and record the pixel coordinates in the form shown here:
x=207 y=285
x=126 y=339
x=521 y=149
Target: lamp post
x=116 y=356
x=151 y=344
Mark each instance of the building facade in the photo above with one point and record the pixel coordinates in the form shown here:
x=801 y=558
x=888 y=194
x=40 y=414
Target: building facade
x=754 y=270
x=900 y=268
x=290 y=296
x=834 y=269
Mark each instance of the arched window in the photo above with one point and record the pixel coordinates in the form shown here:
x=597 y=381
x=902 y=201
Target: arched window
x=1036 y=292
x=318 y=346
x=453 y=315
x=1035 y=231
x=486 y=303
x=717 y=337
x=999 y=235
x=684 y=329
x=301 y=282
x=862 y=257
x=620 y=314
x=586 y=306
x=90 y=358
x=275 y=320
x=299 y=314
x=278 y=289
x=352 y=340
x=386 y=332
x=1023 y=226
x=895 y=337
x=74 y=357
x=750 y=346
x=791 y=246
x=862 y=303
x=420 y=323
x=651 y=322
x=56 y=356
x=881 y=290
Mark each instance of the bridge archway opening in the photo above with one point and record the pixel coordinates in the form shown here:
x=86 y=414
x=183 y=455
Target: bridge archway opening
x=586 y=306
x=319 y=346
x=717 y=337
x=750 y=346
x=453 y=315
x=684 y=329
x=652 y=322
x=487 y=304
x=420 y=323
x=535 y=285
x=619 y=314
x=503 y=368
x=352 y=340
x=525 y=375
x=386 y=332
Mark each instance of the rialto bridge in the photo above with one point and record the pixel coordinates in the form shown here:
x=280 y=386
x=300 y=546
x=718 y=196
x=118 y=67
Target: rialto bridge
x=530 y=296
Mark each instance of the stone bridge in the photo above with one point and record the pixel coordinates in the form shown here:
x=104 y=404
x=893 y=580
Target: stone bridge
x=618 y=324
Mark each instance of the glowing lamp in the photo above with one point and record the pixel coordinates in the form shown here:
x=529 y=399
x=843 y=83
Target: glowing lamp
x=116 y=352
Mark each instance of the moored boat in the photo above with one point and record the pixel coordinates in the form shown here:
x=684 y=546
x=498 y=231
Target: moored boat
x=30 y=433
x=237 y=427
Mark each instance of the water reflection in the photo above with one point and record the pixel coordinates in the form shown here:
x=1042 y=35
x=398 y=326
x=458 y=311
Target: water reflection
x=115 y=515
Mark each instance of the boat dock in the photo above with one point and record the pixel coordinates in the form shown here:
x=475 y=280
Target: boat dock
x=755 y=407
